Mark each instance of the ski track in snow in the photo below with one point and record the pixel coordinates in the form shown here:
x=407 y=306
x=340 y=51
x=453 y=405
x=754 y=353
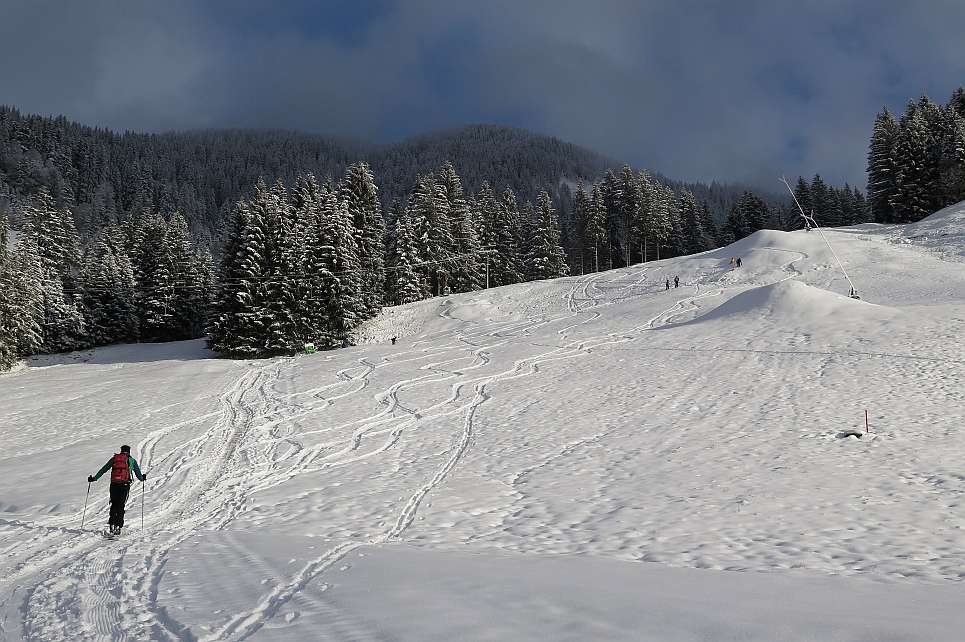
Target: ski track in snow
x=245 y=624
x=83 y=588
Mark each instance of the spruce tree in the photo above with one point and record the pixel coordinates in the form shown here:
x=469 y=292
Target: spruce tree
x=486 y=214
x=253 y=320
x=643 y=224
x=403 y=282
x=338 y=268
x=8 y=310
x=508 y=258
x=282 y=268
x=51 y=234
x=24 y=298
x=627 y=200
x=820 y=201
x=433 y=232
x=595 y=233
x=664 y=214
x=189 y=274
x=465 y=270
x=916 y=185
x=708 y=226
x=735 y=227
x=545 y=258
x=693 y=238
x=154 y=277
x=613 y=221
x=581 y=214
x=755 y=211
x=883 y=167
x=110 y=299
x=306 y=214
x=360 y=196
x=233 y=290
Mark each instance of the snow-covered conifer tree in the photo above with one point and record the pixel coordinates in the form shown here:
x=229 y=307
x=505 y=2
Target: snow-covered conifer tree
x=233 y=290
x=8 y=311
x=662 y=217
x=910 y=201
x=432 y=231
x=545 y=258
x=51 y=232
x=109 y=289
x=464 y=270
x=882 y=167
x=581 y=214
x=509 y=242
x=404 y=283
x=486 y=213
x=282 y=263
x=643 y=224
x=21 y=276
x=338 y=269
x=594 y=233
x=693 y=240
x=154 y=277
x=627 y=200
x=241 y=315
x=360 y=195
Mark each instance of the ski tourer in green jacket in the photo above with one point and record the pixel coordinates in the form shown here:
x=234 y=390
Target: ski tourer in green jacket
x=122 y=467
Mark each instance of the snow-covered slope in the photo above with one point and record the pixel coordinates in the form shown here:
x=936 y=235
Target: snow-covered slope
x=594 y=457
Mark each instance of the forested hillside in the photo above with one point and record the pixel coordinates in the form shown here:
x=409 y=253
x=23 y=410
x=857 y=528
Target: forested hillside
x=202 y=174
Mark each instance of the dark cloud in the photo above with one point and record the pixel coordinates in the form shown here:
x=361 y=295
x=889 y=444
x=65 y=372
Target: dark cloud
x=698 y=90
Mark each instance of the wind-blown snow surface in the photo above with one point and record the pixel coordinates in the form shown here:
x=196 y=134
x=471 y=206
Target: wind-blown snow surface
x=588 y=458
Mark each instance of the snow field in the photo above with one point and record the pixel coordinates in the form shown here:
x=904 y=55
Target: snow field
x=588 y=458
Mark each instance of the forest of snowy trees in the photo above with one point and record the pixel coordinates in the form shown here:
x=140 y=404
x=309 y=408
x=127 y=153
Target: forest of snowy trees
x=108 y=238
x=310 y=265
x=916 y=165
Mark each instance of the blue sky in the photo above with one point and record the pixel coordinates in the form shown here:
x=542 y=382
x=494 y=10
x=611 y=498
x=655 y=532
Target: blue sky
x=735 y=91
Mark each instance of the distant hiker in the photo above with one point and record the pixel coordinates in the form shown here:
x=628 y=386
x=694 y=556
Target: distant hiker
x=738 y=262
x=732 y=261
x=393 y=340
x=668 y=283
x=676 y=281
x=122 y=466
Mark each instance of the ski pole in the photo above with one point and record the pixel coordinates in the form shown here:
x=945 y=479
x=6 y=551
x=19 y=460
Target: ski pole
x=84 y=517
x=143 y=483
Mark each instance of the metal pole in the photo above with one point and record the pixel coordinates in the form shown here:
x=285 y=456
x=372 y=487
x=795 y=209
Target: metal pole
x=84 y=517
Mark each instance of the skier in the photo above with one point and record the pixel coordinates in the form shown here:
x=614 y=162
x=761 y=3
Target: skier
x=738 y=262
x=676 y=281
x=668 y=283
x=121 y=465
x=393 y=340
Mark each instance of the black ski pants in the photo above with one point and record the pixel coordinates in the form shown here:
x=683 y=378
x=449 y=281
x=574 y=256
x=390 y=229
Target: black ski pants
x=119 y=493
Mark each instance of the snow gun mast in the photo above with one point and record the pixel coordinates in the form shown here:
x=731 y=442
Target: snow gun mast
x=809 y=223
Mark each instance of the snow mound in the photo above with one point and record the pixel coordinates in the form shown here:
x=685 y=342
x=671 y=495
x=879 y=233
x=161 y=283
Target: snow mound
x=791 y=302
x=769 y=239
